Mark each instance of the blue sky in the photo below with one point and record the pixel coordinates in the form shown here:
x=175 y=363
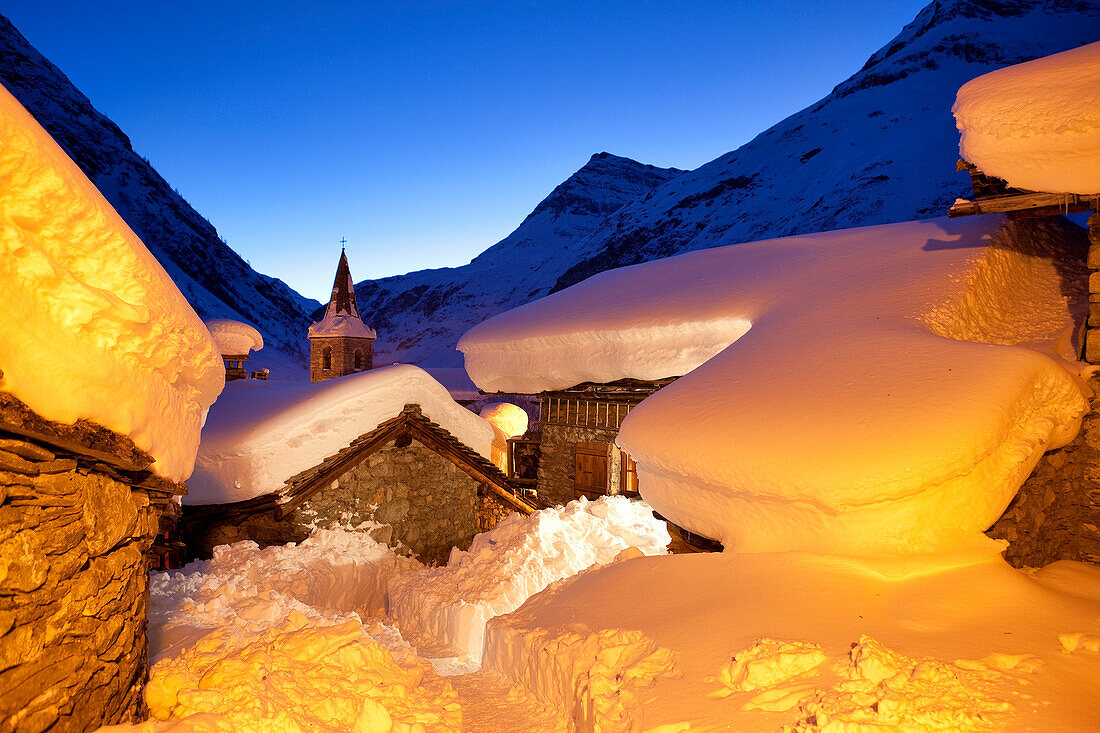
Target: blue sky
x=425 y=131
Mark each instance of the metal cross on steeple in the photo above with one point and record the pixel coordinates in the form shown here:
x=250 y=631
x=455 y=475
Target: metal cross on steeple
x=342 y=243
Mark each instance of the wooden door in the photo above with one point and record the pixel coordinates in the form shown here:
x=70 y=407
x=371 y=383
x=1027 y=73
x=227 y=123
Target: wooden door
x=592 y=473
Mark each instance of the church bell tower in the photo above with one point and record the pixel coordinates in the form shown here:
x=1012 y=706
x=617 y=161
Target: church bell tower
x=340 y=343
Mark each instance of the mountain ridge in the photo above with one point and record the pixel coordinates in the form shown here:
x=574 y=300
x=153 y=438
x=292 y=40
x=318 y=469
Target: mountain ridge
x=216 y=281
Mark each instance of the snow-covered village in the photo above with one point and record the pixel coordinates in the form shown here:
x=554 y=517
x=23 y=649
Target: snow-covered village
x=803 y=438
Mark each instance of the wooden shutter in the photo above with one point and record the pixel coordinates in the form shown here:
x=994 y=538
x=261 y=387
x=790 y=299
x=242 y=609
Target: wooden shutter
x=628 y=482
x=592 y=475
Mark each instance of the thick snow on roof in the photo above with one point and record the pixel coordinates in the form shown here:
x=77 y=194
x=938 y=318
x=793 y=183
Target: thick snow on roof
x=261 y=433
x=1036 y=124
x=91 y=327
x=856 y=414
x=234 y=337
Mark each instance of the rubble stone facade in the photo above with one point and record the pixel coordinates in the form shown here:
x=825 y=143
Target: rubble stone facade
x=426 y=504
x=1056 y=513
x=557 y=464
x=73 y=592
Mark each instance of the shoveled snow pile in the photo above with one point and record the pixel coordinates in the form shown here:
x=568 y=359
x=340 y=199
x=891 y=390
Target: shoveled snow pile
x=273 y=640
x=857 y=414
x=1036 y=124
x=91 y=326
x=798 y=642
x=244 y=586
x=234 y=337
x=261 y=433
x=449 y=606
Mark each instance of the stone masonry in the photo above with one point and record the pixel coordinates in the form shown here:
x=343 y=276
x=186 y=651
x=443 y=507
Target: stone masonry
x=426 y=504
x=1056 y=513
x=343 y=356
x=557 y=465
x=73 y=593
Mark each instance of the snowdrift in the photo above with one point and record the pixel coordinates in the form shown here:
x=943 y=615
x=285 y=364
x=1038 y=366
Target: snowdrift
x=449 y=606
x=854 y=410
x=273 y=640
x=1036 y=124
x=260 y=434
x=790 y=641
x=91 y=326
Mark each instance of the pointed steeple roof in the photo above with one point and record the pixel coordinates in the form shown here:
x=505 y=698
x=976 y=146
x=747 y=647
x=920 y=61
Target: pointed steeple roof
x=342 y=312
x=342 y=301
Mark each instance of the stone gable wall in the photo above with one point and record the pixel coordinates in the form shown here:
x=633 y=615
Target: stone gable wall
x=1056 y=513
x=74 y=593
x=557 y=464
x=343 y=356
x=426 y=503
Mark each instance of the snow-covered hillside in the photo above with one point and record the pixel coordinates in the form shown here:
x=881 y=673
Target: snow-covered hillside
x=420 y=316
x=880 y=148
x=214 y=279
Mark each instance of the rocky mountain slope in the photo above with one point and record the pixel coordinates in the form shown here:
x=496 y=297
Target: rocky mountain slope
x=880 y=148
x=215 y=280
x=420 y=316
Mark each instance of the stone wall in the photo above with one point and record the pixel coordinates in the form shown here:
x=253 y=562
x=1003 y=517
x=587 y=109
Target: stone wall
x=73 y=593
x=1056 y=513
x=427 y=504
x=343 y=356
x=491 y=509
x=557 y=464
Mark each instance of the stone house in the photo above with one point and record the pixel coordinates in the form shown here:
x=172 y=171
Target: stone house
x=421 y=488
x=79 y=510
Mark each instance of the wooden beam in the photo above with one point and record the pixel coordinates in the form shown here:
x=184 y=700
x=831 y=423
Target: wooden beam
x=448 y=450
x=301 y=492
x=1027 y=205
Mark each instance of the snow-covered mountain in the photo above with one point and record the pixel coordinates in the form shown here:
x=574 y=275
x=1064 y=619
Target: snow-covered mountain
x=215 y=280
x=420 y=316
x=880 y=148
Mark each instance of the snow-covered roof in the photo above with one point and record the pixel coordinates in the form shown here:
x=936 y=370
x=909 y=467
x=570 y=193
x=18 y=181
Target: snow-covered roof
x=234 y=337
x=91 y=326
x=1036 y=124
x=259 y=434
x=855 y=408
x=342 y=312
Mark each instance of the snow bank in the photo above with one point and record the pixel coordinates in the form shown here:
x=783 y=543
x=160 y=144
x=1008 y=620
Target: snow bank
x=272 y=640
x=795 y=642
x=234 y=337
x=91 y=327
x=850 y=418
x=260 y=434
x=450 y=605
x=1036 y=124
x=333 y=570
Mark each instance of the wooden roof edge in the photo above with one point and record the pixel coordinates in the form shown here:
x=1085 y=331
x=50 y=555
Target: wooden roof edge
x=519 y=504
x=263 y=502
x=87 y=441
x=1037 y=203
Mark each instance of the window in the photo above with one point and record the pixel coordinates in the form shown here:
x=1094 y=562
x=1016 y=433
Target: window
x=326 y=358
x=592 y=475
x=358 y=360
x=628 y=483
